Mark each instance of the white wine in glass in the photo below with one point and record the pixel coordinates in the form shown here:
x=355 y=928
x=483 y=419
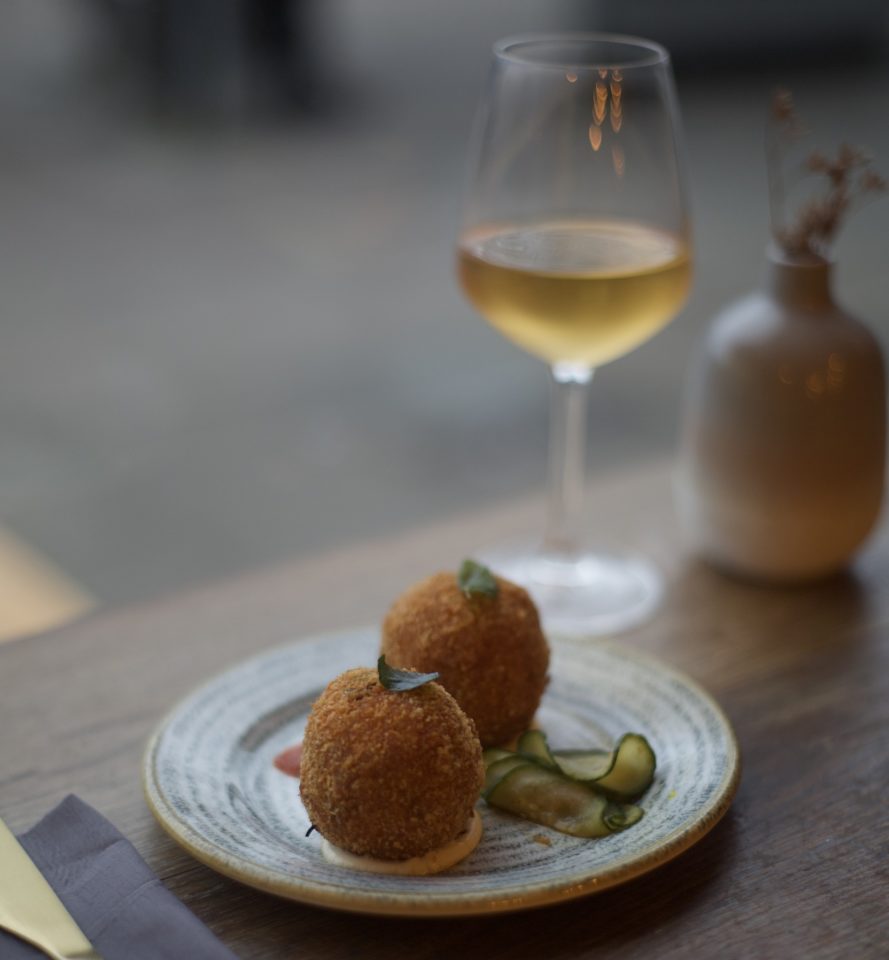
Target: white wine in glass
x=575 y=245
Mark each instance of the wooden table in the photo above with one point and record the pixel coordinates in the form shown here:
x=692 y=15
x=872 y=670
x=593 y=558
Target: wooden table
x=798 y=868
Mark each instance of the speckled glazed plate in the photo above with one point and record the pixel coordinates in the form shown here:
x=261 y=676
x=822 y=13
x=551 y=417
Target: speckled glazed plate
x=210 y=781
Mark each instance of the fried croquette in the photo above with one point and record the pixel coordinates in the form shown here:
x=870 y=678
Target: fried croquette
x=386 y=774
x=489 y=651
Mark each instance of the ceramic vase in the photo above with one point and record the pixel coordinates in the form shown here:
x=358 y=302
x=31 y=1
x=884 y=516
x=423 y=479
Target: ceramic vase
x=782 y=456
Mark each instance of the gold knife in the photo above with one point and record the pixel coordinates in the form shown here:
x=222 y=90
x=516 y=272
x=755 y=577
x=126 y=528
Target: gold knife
x=30 y=909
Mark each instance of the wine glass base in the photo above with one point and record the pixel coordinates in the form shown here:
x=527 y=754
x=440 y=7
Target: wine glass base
x=590 y=595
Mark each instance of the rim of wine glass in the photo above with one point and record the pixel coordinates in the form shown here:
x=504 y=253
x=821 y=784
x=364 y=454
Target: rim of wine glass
x=658 y=54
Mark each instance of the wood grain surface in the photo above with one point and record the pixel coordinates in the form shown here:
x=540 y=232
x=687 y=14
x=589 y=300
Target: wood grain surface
x=798 y=868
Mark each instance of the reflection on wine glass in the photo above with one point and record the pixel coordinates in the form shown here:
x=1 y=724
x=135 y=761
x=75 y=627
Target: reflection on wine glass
x=575 y=245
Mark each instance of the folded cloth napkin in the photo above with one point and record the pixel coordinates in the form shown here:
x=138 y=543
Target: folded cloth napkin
x=119 y=904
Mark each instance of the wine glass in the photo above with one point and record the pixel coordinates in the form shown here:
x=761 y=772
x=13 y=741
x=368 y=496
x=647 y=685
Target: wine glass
x=575 y=245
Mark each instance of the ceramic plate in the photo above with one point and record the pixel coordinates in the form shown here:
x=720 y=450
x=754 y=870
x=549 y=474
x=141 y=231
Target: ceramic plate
x=210 y=781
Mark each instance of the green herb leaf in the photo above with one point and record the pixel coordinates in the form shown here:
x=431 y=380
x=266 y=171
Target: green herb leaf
x=475 y=579
x=393 y=679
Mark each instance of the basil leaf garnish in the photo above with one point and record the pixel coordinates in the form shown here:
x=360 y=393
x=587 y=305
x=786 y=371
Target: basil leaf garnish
x=394 y=679
x=475 y=579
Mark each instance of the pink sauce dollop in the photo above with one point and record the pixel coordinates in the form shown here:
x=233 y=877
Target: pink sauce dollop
x=288 y=761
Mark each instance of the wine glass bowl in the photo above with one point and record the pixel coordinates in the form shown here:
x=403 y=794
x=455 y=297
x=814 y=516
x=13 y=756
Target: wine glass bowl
x=575 y=291
x=575 y=245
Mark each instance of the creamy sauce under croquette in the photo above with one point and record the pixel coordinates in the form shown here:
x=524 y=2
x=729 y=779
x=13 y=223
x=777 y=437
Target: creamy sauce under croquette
x=433 y=862
x=385 y=774
x=489 y=651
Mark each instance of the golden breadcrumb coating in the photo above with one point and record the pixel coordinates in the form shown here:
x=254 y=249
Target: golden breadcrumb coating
x=389 y=774
x=489 y=651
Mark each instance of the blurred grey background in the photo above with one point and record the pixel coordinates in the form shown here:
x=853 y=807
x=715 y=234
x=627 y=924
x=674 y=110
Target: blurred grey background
x=231 y=332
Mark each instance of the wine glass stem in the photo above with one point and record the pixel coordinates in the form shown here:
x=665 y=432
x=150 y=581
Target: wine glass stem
x=567 y=459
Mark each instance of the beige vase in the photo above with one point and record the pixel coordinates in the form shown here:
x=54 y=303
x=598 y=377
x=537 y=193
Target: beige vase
x=782 y=457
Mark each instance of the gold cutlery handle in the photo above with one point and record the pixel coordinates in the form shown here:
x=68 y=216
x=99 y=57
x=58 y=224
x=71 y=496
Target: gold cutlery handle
x=30 y=908
x=36 y=941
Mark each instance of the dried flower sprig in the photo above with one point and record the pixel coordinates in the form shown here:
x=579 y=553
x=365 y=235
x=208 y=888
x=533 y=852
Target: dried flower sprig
x=849 y=181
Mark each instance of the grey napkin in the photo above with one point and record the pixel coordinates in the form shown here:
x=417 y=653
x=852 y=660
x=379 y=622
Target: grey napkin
x=121 y=906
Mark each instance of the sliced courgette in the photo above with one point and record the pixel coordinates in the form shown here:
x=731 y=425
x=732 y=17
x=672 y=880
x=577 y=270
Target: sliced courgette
x=625 y=773
x=584 y=764
x=578 y=792
x=544 y=796
x=532 y=744
x=493 y=754
x=498 y=770
x=633 y=770
x=619 y=816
